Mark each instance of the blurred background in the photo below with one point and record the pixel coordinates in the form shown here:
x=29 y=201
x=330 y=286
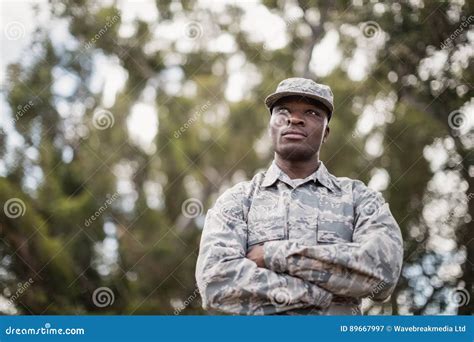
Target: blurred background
x=122 y=121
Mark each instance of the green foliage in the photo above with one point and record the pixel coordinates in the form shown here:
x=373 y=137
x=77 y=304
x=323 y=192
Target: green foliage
x=153 y=268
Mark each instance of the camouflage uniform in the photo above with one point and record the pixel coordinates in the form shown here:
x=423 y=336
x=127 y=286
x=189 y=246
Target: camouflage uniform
x=328 y=242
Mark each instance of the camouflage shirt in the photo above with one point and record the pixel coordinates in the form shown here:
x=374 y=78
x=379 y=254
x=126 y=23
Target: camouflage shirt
x=328 y=242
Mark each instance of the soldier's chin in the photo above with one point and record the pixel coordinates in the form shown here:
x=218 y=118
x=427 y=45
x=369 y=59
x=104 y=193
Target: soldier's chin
x=295 y=153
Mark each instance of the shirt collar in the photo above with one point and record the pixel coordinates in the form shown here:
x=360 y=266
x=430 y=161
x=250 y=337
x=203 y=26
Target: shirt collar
x=273 y=173
x=321 y=175
x=325 y=178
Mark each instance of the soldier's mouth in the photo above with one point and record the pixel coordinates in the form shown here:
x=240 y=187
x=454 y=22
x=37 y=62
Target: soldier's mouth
x=293 y=134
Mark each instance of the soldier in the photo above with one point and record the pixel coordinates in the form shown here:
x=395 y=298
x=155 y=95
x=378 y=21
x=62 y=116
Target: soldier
x=296 y=239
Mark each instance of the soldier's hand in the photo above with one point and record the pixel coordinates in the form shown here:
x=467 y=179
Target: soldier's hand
x=256 y=255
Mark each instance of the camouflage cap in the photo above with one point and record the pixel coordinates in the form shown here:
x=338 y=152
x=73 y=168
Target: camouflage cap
x=304 y=87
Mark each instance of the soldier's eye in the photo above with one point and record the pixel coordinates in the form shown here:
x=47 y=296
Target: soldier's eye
x=312 y=112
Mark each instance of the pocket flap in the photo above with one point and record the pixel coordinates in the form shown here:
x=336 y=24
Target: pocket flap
x=266 y=230
x=330 y=231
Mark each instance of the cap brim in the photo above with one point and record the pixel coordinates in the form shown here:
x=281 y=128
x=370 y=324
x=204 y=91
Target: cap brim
x=272 y=98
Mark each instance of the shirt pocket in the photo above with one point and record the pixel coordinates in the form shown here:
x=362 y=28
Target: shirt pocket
x=266 y=218
x=263 y=230
x=331 y=231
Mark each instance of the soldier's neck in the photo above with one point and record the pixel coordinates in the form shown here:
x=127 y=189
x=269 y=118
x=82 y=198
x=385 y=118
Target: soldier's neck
x=296 y=169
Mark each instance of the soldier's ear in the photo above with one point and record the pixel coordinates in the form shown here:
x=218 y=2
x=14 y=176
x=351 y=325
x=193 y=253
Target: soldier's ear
x=326 y=134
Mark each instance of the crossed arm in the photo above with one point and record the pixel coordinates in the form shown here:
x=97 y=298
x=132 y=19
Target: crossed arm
x=285 y=275
x=230 y=282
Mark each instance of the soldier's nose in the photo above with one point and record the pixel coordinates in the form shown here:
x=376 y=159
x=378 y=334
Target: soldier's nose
x=295 y=120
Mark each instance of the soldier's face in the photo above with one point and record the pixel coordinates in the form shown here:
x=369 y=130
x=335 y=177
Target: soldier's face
x=298 y=128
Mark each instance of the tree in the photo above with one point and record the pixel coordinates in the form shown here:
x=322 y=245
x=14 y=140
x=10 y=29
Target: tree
x=110 y=225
